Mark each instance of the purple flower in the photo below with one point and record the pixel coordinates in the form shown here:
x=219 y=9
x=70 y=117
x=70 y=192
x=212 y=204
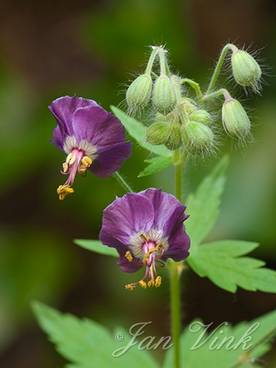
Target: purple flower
x=145 y=228
x=91 y=137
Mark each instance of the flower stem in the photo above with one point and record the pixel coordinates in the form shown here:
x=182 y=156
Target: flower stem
x=175 y=270
x=122 y=182
x=163 y=61
x=219 y=65
x=220 y=92
x=152 y=57
x=194 y=85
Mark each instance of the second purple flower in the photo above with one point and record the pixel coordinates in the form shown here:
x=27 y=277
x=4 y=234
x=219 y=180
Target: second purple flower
x=92 y=138
x=146 y=228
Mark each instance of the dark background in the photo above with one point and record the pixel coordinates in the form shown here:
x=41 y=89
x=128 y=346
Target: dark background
x=92 y=48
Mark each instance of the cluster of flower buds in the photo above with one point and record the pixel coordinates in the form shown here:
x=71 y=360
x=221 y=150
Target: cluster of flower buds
x=179 y=121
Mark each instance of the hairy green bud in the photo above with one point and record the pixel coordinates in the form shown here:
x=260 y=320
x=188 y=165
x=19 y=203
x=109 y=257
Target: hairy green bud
x=163 y=96
x=246 y=71
x=187 y=105
x=198 y=137
x=235 y=119
x=158 y=132
x=202 y=116
x=174 y=140
x=139 y=92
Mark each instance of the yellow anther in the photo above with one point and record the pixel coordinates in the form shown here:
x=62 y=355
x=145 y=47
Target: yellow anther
x=128 y=256
x=63 y=191
x=158 y=281
x=143 y=284
x=85 y=163
x=65 y=167
x=130 y=287
x=151 y=283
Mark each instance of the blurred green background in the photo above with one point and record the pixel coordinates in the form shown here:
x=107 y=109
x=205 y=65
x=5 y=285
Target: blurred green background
x=92 y=49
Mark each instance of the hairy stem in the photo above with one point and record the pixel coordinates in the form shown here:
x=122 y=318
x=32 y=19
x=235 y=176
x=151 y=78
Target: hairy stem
x=194 y=85
x=219 y=65
x=152 y=57
x=175 y=270
x=164 y=68
x=220 y=92
x=122 y=182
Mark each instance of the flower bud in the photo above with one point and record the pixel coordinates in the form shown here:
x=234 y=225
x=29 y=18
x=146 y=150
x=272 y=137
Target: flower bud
x=201 y=116
x=173 y=140
x=198 y=137
x=235 y=119
x=187 y=105
x=139 y=92
x=158 y=132
x=246 y=70
x=163 y=96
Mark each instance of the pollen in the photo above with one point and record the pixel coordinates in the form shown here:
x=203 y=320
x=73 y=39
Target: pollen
x=129 y=256
x=158 y=281
x=130 y=287
x=63 y=191
x=143 y=284
x=85 y=163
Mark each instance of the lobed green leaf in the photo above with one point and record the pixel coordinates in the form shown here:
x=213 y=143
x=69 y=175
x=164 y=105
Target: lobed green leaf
x=85 y=343
x=221 y=262
x=138 y=131
x=97 y=247
x=156 y=164
x=207 y=355
x=203 y=205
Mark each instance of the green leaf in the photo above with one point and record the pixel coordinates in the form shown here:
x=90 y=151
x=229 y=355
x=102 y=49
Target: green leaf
x=209 y=355
x=156 y=164
x=138 y=131
x=85 y=343
x=221 y=262
x=203 y=206
x=96 y=246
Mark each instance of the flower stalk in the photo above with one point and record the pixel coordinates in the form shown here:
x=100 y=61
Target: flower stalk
x=219 y=65
x=175 y=270
x=122 y=182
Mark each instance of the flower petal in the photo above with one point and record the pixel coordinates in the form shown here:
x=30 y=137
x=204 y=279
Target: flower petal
x=168 y=211
x=130 y=267
x=97 y=126
x=63 y=108
x=58 y=138
x=179 y=244
x=111 y=159
x=124 y=217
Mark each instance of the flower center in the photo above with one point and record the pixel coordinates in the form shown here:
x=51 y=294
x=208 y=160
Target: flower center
x=149 y=248
x=76 y=162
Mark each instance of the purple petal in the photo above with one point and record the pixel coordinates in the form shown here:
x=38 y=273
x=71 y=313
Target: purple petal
x=123 y=218
x=98 y=126
x=111 y=159
x=168 y=211
x=179 y=244
x=130 y=267
x=58 y=139
x=63 y=109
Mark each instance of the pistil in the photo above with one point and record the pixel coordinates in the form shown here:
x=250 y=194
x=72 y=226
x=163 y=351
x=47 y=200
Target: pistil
x=76 y=162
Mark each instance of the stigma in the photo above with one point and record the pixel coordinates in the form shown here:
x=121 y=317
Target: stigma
x=149 y=248
x=77 y=162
